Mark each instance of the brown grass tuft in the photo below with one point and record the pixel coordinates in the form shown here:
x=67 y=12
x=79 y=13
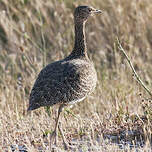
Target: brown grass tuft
x=35 y=33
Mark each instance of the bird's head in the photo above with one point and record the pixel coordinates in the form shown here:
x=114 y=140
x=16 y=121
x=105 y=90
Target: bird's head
x=82 y=13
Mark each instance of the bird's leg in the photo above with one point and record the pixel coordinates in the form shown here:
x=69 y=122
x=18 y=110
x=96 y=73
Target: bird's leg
x=66 y=145
x=53 y=136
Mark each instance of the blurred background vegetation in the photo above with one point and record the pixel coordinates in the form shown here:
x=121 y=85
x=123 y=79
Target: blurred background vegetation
x=35 y=33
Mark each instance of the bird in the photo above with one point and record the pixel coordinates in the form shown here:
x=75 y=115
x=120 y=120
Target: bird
x=70 y=80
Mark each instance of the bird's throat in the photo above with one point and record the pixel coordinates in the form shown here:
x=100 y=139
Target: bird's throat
x=80 y=48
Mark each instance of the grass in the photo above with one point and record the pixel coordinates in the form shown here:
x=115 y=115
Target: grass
x=35 y=33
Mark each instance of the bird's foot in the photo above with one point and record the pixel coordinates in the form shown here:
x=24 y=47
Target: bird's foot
x=53 y=139
x=68 y=146
x=65 y=143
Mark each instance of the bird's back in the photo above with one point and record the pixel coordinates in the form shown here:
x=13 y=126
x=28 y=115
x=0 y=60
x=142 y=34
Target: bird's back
x=64 y=81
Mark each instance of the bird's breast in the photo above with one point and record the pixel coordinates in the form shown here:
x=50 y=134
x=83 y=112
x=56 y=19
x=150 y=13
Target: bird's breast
x=81 y=82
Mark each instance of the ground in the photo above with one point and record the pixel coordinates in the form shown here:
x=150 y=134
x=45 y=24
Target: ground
x=117 y=116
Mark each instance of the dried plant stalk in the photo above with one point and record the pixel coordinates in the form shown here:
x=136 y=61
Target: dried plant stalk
x=132 y=67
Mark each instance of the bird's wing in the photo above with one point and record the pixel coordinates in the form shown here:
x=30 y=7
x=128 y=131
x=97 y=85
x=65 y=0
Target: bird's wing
x=56 y=83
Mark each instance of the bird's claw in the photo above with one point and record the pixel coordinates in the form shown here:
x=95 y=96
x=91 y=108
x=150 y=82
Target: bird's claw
x=53 y=138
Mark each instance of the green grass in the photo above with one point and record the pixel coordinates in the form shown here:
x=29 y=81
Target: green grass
x=35 y=33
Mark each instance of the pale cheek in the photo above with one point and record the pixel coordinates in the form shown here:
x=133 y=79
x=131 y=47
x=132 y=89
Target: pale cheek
x=91 y=14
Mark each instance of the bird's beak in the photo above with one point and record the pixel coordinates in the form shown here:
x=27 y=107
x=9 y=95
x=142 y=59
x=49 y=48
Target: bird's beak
x=96 y=11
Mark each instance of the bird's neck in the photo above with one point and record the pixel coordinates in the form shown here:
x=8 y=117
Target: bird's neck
x=80 y=48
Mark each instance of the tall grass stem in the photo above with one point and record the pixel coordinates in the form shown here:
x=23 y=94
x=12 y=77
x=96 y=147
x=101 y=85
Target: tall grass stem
x=132 y=67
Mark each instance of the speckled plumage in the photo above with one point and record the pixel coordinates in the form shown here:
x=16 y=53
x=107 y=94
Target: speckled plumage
x=69 y=80
x=63 y=81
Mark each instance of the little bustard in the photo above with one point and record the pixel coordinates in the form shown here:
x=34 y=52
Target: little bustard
x=69 y=80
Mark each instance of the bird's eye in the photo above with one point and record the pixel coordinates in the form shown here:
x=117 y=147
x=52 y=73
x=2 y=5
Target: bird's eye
x=90 y=10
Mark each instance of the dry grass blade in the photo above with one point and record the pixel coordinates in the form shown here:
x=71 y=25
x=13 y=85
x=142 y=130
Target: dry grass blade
x=132 y=67
x=117 y=116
